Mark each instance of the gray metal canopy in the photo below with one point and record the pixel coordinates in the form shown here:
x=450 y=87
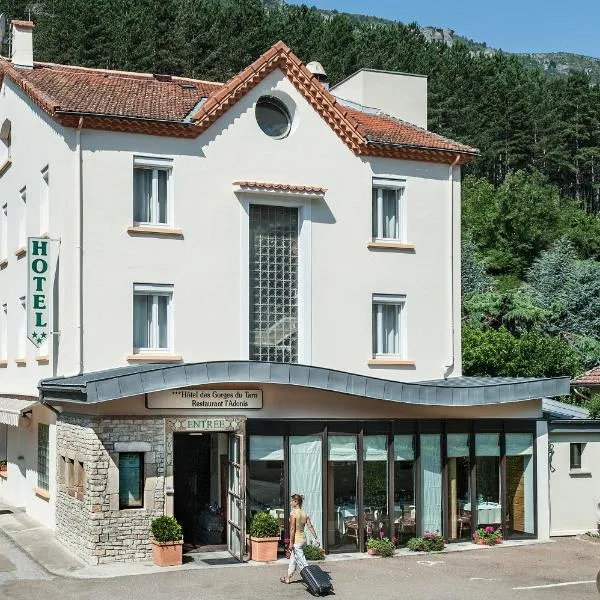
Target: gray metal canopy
x=124 y=382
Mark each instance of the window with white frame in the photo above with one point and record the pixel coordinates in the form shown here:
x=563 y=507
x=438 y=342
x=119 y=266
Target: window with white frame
x=4 y=231
x=21 y=351
x=45 y=202
x=389 y=210
x=4 y=332
x=5 y=142
x=22 y=242
x=152 y=191
x=389 y=330
x=152 y=317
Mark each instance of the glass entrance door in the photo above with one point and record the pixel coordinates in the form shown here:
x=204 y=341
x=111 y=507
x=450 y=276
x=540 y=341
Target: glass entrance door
x=236 y=509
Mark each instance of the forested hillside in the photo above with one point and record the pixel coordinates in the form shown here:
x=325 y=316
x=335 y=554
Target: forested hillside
x=531 y=201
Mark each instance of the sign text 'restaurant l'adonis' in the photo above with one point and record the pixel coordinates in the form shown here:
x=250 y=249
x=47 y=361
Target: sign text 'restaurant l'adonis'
x=212 y=399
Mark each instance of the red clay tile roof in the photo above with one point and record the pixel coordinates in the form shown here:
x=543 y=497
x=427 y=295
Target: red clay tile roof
x=121 y=94
x=384 y=129
x=591 y=377
x=281 y=186
x=24 y=24
x=159 y=105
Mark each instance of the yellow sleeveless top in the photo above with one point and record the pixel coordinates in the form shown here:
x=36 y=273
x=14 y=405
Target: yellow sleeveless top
x=301 y=518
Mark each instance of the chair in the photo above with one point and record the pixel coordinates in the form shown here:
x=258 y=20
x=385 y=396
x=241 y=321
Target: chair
x=464 y=522
x=351 y=526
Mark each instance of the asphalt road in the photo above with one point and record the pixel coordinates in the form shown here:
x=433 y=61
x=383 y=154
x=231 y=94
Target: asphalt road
x=566 y=569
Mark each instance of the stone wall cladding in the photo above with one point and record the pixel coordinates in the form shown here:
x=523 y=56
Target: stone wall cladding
x=94 y=528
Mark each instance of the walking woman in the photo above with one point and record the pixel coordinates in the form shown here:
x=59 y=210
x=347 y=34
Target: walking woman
x=298 y=520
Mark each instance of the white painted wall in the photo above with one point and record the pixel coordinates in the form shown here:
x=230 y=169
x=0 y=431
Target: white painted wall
x=401 y=95
x=206 y=269
x=543 y=483
x=574 y=496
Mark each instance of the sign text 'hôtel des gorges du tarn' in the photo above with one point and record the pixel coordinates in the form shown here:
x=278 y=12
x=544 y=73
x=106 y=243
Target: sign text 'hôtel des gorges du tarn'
x=211 y=399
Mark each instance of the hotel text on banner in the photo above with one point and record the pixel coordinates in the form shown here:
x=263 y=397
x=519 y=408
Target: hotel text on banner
x=212 y=399
x=38 y=286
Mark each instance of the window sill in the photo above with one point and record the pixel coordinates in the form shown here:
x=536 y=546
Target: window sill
x=43 y=360
x=3 y=364
x=154 y=358
x=40 y=493
x=5 y=166
x=381 y=245
x=580 y=473
x=21 y=252
x=390 y=362
x=3 y=263
x=151 y=230
x=20 y=362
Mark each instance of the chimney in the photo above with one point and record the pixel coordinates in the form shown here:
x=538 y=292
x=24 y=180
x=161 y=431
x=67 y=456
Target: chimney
x=22 y=44
x=316 y=68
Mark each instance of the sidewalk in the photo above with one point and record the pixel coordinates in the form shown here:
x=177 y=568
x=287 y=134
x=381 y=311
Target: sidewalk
x=40 y=545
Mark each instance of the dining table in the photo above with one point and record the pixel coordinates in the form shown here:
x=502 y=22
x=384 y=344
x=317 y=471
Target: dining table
x=488 y=513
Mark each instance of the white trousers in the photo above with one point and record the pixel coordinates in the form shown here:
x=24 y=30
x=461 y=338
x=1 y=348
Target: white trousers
x=297 y=559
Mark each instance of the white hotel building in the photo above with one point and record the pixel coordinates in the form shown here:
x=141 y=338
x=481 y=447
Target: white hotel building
x=254 y=290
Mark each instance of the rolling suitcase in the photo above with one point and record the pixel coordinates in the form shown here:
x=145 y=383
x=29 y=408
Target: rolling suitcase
x=316 y=580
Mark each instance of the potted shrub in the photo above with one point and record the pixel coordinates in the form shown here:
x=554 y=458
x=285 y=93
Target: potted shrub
x=428 y=542
x=372 y=545
x=487 y=536
x=313 y=552
x=264 y=537
x=167 y=541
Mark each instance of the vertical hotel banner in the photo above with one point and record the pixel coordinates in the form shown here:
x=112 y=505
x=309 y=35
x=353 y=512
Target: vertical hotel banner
x=38 y=286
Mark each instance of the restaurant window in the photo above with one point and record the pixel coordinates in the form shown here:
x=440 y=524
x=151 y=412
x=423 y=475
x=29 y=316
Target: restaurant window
x=43 y=458
x=151 y=191
x=375 y=485
x=404 y=488
x=576 y=455
x=519 y=484
x=273 y=274
x=431 y=483
x=487 y=463
x=152 y=316
x=389 y=218
x=459 y=485
x=388 y=325
x=265 y=476
x=342 y=507
x=131 y=480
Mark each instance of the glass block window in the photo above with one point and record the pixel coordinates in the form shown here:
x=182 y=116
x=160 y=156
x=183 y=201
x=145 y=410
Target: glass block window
x=43 y=456
x=273 y=283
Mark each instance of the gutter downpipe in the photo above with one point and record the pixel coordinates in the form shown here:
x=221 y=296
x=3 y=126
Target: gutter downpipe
x=78 y=222
x=449 y=367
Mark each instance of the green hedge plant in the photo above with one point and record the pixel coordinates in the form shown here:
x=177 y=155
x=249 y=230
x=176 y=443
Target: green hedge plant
x=313 y=552
x=166 y=529
x=263 y=525
x=429 y=542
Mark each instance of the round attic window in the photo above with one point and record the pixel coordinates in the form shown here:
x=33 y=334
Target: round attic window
x=273 y=117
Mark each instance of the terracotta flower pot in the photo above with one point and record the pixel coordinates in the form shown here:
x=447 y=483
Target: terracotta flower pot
x=482 y=541
x=264 y=549
x=167 y=554
x=372 y=551
x=498 y=540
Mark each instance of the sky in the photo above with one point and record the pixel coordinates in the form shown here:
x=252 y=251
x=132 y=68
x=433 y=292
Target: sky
x=510 y=25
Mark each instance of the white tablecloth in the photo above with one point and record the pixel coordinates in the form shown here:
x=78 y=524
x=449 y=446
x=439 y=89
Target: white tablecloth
x=487 y=512
x=343 y=513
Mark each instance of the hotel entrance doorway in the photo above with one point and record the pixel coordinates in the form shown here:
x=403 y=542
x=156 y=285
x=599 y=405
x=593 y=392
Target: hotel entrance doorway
x=200 y=477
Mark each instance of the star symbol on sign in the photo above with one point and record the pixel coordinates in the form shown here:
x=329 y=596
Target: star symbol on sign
x=42 y=336
x=34 y=336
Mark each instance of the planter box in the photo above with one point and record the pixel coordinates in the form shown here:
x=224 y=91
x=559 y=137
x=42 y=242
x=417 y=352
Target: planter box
x=264 y=549
x=167 y=554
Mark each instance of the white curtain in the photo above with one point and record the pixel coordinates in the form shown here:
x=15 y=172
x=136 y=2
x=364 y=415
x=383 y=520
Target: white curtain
x=403 y=447
x=487 y=444
x=163 y=178
x=306 y=476
x=266 y=447
x=375 y=447
x=342 y=448
x=142 y=319
x=431 y=478
x=142 y=185
x=390 y=214
x=458 y=445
